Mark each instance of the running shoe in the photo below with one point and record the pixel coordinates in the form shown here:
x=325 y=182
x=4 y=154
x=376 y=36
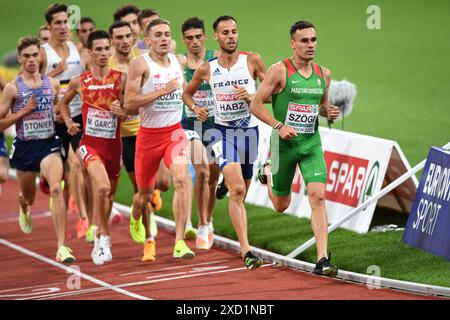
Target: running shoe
x=262 y=177
x=210 y=235
x=221 y=190
x=182 y=251
x=82 y=227
x=25 y=222
x=90 y=233
x=64 y=255
x=115 y=217
x=201 y=241
x=325 y=268
x=149 y=251
x=137 y=230
x=105 y=244
x=97 y=253
x=43 y=185
x=156 y=200
x=251 y=261
x=153 y=225
x=189 y=232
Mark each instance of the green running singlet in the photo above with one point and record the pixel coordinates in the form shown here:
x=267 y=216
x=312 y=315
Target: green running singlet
x=203 y=97
x=297 y=106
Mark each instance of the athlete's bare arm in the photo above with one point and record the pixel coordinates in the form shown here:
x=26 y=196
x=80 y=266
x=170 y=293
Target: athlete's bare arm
x=274 y=82
x=117 y=106
x=43 y=66
x=63 y=107
x=326 y=109
x=136 y=74
x=202 y=73
x=7 y=100
x=257 y=67
x=2 y=84
x=55 y=85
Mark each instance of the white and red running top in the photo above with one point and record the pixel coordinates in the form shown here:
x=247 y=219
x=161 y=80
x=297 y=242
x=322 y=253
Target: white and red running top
x=168 y=109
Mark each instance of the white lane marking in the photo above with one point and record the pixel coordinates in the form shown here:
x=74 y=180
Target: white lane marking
x=195 y=270
x=33 y=216
x=71 y=270
x=35 y=292
x=208 y=268
x=173 y=268
x=133 y=284
x=32 y=287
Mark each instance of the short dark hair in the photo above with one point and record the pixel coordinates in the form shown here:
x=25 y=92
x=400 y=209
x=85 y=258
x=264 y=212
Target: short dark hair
x=117 y=25
x=96 y=35
x=300 y=25
x=220 y=19
x=146 y=13
x=125 y=10
x=192 y=23
x=44 y=27
x=53 y=9
x=85 y=20
x=26 y=42
x=155 y=22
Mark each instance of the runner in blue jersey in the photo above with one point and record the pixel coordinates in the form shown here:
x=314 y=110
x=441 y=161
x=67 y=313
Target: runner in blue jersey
x=232 y=76
x=30 y=98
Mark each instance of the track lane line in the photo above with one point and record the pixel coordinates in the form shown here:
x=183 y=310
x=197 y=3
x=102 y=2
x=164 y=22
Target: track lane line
x=87 y=277
x=133 y=284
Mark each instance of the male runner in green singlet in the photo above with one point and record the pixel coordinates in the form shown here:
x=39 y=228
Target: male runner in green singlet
x=299 y=90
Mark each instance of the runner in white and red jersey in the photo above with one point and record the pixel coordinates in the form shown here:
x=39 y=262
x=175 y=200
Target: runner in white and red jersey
x=100 y=147
x=154 y=88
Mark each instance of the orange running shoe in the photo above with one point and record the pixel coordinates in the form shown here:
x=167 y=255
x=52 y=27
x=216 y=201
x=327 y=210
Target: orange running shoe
x=149 y=251
x=156 y=200
x=82 y=228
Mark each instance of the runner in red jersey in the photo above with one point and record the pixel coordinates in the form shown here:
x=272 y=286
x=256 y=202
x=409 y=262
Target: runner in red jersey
x=100 y=146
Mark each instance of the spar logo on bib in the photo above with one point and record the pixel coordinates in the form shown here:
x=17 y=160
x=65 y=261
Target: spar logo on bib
x=346 y=178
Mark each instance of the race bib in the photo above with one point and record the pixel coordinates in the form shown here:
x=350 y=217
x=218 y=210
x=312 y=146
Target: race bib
x=170 y=102
x=75 y=104
x=230 y=108
x=302 y=117
x=203 y=98
x=38 y=125
x=101 y=124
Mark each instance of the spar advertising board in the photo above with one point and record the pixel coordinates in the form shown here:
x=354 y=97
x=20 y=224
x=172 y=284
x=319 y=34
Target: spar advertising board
x=357 y=168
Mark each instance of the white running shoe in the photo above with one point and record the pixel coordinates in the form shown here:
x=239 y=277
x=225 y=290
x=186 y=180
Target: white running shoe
x=201 y=241
x=105 y=244
x=115 y=217
x=210 y=235
x=97 y=254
